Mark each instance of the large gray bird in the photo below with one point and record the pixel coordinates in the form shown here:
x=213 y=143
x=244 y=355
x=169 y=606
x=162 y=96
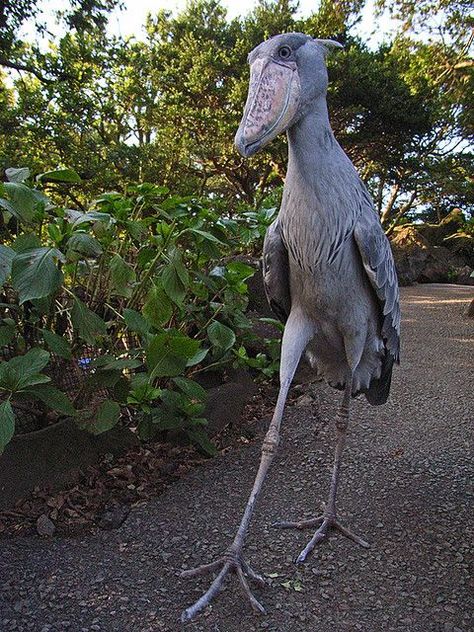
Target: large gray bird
x=328 y=268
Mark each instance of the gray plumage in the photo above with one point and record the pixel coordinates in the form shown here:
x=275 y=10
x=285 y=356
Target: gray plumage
x=326 y=257
x=328 y=272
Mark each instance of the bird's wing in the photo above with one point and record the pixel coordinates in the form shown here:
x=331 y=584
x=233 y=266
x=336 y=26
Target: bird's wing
x=379 y=265
x=276 y=272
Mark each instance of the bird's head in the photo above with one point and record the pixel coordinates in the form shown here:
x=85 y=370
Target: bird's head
x=287 y=72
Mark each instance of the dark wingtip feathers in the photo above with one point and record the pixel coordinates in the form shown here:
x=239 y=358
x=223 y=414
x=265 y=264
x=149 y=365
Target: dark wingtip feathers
x=379 y=389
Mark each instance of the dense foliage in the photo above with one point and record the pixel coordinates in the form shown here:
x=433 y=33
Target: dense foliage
x=132 y=292
x=165 y=109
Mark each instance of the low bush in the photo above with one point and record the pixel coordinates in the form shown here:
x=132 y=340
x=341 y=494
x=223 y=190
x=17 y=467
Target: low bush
x=135 y=294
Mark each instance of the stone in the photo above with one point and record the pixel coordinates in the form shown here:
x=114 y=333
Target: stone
x=114 y=516
x=45 y=526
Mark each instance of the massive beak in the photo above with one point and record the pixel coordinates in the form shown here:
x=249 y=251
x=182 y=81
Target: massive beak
x=272 y=102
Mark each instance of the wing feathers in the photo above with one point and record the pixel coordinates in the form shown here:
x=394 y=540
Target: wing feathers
x=377 y=259
x=276 y=272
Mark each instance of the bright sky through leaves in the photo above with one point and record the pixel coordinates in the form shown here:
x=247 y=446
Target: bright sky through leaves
x=131 y=19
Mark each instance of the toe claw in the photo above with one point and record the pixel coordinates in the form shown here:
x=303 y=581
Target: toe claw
x=248 y=570
x=256 y=605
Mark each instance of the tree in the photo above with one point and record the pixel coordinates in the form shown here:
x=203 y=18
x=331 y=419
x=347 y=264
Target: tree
x=15 y=53
x=166 y=109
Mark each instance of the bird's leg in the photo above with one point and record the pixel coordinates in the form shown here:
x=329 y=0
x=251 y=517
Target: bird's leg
x=328 y=520
x=295 y=338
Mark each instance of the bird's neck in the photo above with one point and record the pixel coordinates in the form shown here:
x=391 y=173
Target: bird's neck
x=312 y=148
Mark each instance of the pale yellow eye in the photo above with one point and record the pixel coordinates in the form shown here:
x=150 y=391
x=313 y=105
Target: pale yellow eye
x=284 y=52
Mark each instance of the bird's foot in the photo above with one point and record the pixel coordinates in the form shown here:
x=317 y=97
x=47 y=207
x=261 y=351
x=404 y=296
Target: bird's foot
x=326 y=522
x=230 y=562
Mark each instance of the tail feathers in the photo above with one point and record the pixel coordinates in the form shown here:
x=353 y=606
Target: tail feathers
x=379 y=388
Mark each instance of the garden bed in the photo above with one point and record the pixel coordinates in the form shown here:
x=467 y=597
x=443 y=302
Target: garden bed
x=101 y=495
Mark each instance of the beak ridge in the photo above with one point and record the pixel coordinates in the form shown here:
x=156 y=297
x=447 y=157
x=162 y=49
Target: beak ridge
x=271 y=104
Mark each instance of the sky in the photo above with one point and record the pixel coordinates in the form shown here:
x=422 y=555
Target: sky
x=130 y=20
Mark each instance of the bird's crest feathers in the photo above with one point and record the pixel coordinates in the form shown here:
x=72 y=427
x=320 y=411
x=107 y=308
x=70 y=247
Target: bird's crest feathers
x=329 y=45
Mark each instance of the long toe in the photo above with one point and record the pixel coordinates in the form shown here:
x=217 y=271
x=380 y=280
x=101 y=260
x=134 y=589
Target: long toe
x=351 y=535
x=298 y=524
x=319 y=535
x=229 y=563
x=322 y=532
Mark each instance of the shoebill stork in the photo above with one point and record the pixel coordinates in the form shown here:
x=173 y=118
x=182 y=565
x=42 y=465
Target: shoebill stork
x=328 y=270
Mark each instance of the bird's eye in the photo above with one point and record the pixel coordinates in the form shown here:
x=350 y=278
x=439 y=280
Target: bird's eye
x=284 y=52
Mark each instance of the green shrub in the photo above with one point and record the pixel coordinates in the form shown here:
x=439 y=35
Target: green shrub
x=138 y=287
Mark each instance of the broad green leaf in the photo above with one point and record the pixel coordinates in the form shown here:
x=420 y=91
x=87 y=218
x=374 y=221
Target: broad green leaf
x=31 y=362
x=198 y=357
x=52 y=397
x=7 y=333
x=168 y=353
x=180 y=268
x=26 y=381
x=87 y=325
x=122 y=275
x=142 y=392
x=173 y=400
x=135 y=322
x=6 y=258
x=165 y=419
x=240 y=270
x=24 y=201
x=173 y=284
x=191 y=388
x=106 y=417
x=68 y=176
x=206 y=235
x=57 y=344
x=26 y=241
x=8 y=206
x=17 y=175
x=7 y=424
x=9 y=376
x=201 y=439
x=83 y=245
x=158 y=308
x=76 y=218
x=221 y=336
x=35 y=273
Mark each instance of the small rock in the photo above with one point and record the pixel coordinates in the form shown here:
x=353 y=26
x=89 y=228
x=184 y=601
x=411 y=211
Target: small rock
x=45 y=526
x=114 y=516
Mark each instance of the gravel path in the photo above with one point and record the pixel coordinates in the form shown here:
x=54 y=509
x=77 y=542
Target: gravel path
x=406 y=486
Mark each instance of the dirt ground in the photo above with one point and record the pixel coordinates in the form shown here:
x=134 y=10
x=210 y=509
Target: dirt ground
x=406 y=487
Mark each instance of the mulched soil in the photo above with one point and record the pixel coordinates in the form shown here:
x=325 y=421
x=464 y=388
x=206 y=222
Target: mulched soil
x=105 y=493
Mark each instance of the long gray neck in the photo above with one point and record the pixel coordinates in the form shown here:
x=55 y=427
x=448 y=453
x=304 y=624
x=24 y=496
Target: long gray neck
x=320 y=193
x=312 y=149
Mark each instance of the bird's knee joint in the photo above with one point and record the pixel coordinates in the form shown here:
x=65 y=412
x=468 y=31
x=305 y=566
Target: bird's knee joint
x=342 y=419
x=270 y=445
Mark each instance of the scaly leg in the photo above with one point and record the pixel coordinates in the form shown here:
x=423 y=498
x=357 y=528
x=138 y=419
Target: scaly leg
x=328 y=520
x=295 y=338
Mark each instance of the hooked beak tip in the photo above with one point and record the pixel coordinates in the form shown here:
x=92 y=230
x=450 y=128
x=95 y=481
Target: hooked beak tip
x=246 y=149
